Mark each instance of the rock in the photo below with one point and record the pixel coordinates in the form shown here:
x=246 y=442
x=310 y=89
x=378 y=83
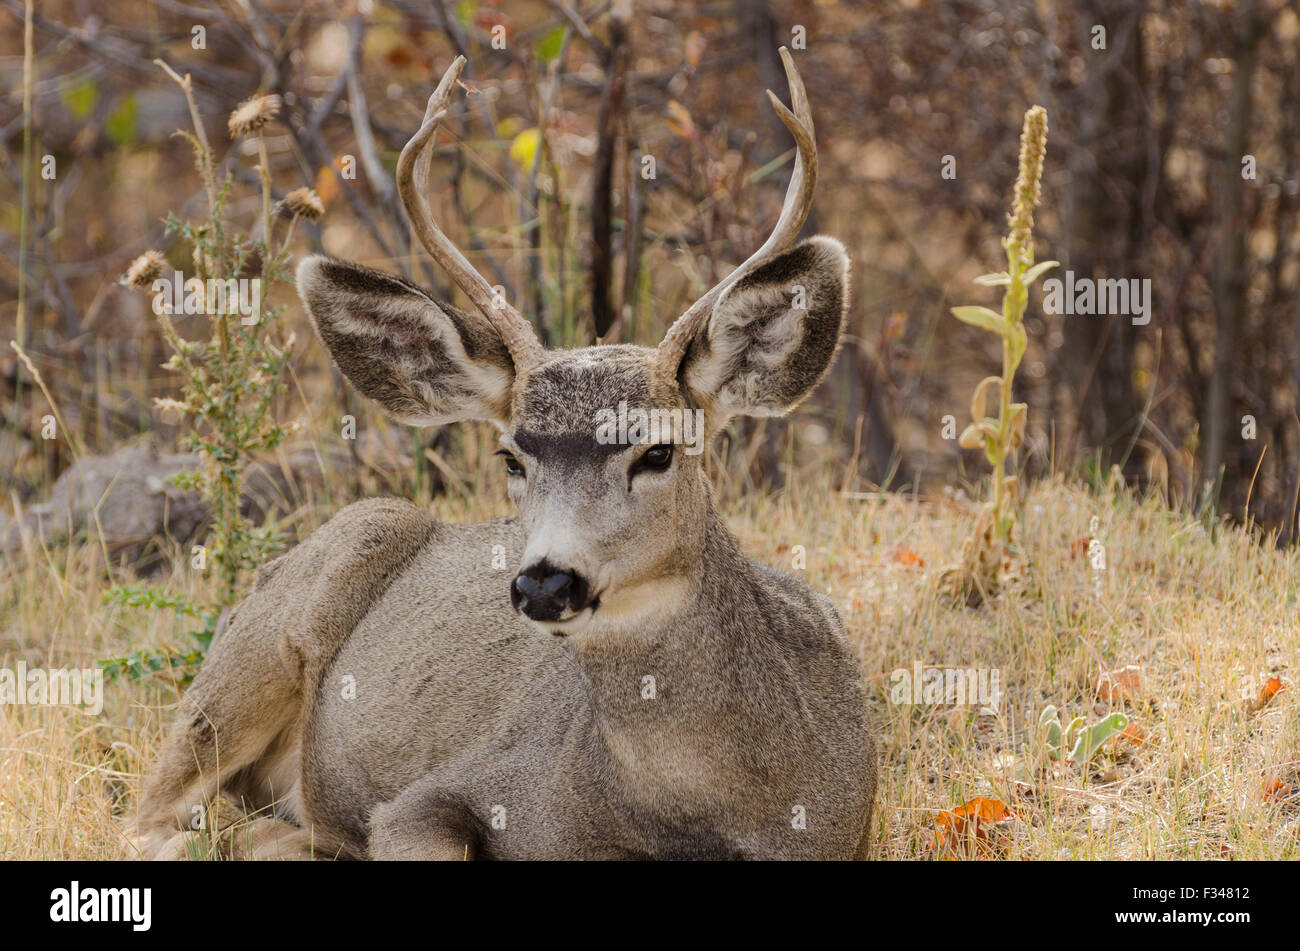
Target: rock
x=126 y=500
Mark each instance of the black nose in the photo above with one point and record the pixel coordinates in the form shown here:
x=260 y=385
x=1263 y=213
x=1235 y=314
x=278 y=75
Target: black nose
x=544 y=592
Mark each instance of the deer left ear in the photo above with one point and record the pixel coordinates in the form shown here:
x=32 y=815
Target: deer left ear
x=772 y=335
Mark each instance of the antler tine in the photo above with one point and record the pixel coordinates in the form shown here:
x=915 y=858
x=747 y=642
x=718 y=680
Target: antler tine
x=412 y=174
x=798 y=200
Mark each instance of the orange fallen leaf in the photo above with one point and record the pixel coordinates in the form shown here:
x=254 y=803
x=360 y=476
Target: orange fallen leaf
x=905 y=556
x=1079 y=547
x=1122 y=684
x=1275 y=790
x=1272 y=687
x=969 y=825
x=1134 y=734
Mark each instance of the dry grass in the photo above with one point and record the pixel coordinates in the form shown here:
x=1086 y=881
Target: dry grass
x=1205 y=618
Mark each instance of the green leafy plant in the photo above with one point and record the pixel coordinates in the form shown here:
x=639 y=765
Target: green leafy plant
x=1086 y=740
x=229 y=380
x=178 y=665
x=1001 y=434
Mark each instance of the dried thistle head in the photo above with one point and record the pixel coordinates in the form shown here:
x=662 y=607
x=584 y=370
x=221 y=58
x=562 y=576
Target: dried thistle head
x=144 y=270
x=1033 y=149
x=303 y=203
x=251 y=114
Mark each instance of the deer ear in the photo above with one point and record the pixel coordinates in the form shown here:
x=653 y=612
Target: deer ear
x=772 y=335
x=425 y=363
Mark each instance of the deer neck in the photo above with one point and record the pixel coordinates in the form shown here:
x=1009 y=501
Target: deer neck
x=686 y=659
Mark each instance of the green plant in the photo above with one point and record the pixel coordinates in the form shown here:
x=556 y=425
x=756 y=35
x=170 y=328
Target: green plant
x=999 y=436
x=229 y=380
x=1087 y=740
x=179 y=665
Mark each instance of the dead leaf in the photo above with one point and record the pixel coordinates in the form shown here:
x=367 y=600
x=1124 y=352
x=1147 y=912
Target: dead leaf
x=1134 y=734
x=1276 y=791
x=905 y=556
x=978 y=827
x=1272 y=687
x=1119 y=685
x=679 y=120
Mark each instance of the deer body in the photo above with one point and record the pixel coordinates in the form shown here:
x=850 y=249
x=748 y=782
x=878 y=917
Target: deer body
x=632 y=687
x=751 y=685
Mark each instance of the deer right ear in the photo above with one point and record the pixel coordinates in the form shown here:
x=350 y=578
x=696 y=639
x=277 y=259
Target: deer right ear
x=425 y=363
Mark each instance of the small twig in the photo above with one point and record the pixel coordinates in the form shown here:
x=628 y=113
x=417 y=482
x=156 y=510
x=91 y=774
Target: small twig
x=205 y=159
x=1245 y=513
x=264 y=172
x=378 y=178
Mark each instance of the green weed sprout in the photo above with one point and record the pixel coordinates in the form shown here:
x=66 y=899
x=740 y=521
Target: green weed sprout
x=1087 y=740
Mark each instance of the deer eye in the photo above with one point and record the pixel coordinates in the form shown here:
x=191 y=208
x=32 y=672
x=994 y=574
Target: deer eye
x=654 y=459
x=513 y=466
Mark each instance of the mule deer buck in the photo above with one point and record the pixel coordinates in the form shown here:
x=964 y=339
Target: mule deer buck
x=633 y=687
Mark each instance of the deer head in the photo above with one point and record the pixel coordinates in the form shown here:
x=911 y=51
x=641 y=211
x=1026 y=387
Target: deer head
x=601 y=444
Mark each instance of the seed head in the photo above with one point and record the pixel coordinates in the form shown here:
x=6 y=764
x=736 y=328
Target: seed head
x=1033 y=148
x=304 y=203
x=251 y=114
x=144 y=270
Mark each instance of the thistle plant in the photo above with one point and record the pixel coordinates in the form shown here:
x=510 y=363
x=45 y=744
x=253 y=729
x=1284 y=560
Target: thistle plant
x=229 y=380
x=999 y=436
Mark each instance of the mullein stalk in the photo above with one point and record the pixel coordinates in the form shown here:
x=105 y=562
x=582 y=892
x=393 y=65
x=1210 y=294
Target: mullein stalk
x=1000 y=436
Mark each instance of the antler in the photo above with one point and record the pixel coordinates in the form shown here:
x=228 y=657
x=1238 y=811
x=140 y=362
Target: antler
x=798 y=199
x=412 y=175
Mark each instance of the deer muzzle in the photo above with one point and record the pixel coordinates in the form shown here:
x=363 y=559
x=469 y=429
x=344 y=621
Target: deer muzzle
x=544 y=592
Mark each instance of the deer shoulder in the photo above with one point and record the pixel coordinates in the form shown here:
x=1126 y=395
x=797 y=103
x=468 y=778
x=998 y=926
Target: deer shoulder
x=310 y=599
